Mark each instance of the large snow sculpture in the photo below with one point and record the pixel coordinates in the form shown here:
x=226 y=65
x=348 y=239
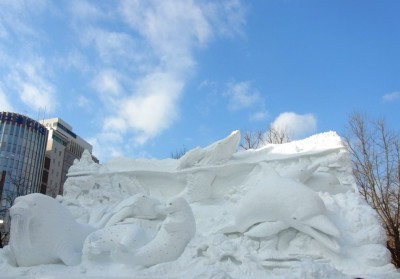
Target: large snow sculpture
x=44 y=232
x=215 y=212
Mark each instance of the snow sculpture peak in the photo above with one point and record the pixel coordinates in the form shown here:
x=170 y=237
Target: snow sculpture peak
x=216 y=153
x=83 y=166
x=283 y=209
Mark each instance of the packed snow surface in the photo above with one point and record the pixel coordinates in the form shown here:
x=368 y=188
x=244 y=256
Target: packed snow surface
x=282 y=211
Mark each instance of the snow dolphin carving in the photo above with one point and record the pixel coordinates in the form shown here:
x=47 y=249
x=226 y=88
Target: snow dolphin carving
x=275 y=203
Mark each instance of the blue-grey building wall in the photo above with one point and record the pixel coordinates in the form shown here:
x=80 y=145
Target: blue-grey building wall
x=22 y=154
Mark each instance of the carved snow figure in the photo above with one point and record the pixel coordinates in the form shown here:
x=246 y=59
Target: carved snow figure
x=134 y=234
x=175 y=232
x=137 y=206
x=132 y=223
x=45 y=232
x=275 y=203
x=216 y=153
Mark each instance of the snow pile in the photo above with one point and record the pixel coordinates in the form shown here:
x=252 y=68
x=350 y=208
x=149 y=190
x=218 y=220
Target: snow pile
x=289 y=210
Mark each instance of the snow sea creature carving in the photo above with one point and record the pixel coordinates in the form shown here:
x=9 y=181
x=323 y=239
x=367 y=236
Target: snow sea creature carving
x=275 y=203
x=175 y=232
x=131 y=223
x=137 y=206
x=45 y=232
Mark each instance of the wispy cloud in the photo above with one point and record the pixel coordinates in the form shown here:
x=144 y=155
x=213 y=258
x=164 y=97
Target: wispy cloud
x=83 y=102
x=259 y=116
x=296 y=125
x=5 y=104
x=391 y=97
x=33 y=90
x=242 y=95
x=107 y=82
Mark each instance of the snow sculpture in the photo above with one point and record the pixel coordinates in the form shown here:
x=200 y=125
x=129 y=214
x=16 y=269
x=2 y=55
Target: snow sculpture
x=44 y=232
x=217 y=153
x=138 y=206
x=132 y=223
x=283 y=209
x=275 y=203
x=175 y=232
x=85 y=165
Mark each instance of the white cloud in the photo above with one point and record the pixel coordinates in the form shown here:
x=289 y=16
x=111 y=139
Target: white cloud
x=233 y=21
x=259 y=116
x=83 y=102
x=5 y=104
x=242 y=95
x=115 y=124
x=154 y=107
x=391 y=97
x=172 y=28
x=296 y=125
x=15 y=16
x=82 y=9
x=33 y=89
x=38 y=98
x=107 y=82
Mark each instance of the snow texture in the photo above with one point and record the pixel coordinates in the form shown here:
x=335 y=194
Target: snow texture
x=282 y=211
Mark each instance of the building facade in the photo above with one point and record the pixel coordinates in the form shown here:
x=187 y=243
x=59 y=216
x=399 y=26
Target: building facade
x=22 y=156
x=63 y=147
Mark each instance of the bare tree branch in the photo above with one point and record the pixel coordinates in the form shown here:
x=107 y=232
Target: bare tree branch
x=376 y=168
x=254 y=140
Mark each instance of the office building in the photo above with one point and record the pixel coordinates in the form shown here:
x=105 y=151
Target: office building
x=63 y=147
x=22 y=155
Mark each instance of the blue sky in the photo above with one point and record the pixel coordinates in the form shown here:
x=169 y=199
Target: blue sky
x=145 y=78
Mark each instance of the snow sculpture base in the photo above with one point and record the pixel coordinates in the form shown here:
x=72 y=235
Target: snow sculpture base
x=282 y=209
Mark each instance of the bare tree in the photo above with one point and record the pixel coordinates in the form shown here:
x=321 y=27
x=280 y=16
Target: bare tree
x=179 y=153
x=20 y=184
x=254 y=140
x=375 y=151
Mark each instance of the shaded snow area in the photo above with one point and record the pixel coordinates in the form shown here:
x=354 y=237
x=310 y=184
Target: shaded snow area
x=282 y=211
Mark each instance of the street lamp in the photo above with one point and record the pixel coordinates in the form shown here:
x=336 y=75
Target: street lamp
x=1 y=221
